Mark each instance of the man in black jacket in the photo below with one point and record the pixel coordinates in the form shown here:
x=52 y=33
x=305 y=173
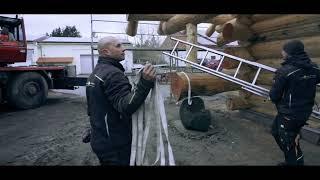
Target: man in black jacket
x=111 y=103
x=293 y=93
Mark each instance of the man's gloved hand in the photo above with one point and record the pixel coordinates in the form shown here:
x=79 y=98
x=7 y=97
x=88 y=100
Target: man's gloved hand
x=149 y=72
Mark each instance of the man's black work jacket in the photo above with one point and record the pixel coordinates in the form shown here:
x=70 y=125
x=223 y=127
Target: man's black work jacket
x=111 y=104
x=294 y=87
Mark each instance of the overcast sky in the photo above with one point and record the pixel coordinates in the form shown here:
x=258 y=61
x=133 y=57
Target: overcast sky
x=40 y=24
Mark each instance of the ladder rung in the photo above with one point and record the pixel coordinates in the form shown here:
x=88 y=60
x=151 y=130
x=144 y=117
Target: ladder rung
x=228 y=55
x=174 y=48
x=204 y=58
x=256 y=76
x=237 y=69
x=220 y=63
x=188 y=52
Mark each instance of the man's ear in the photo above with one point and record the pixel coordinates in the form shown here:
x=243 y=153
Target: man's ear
x=106 y=51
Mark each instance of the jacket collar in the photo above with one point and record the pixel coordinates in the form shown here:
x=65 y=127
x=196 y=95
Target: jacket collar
x=111 y=61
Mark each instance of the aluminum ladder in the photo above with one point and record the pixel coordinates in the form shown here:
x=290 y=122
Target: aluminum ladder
x=248 y=86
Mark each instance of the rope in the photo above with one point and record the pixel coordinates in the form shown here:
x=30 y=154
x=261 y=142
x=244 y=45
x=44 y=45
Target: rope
x=189 y=88
x=152 y=110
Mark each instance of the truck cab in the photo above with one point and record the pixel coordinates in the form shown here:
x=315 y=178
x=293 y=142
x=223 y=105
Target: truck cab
x=13 y=45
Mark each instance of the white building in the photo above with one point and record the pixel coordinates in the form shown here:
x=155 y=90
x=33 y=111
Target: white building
x=68 y=51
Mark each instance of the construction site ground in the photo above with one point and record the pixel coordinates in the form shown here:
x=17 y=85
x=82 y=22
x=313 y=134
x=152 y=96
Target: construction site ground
x=51 y=135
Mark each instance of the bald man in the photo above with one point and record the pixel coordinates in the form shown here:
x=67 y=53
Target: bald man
x=111 y=103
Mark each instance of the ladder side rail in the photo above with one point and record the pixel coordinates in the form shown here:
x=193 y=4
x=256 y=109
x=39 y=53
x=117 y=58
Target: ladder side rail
x=219 y=74
x=228 y=55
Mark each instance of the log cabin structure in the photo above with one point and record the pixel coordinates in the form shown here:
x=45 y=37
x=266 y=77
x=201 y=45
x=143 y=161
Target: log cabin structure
x=260 y=38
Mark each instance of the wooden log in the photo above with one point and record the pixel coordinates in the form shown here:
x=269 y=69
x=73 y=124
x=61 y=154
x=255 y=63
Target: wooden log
x=235 y=29
x=210 y=30
x=221 y=19
x=276 y=62
x=132 y=28
x=264 y=78
x=159 y=31
x=192 y=38
x=262 y=17
x=201 y=84
x=222 y=41
x=244 y=19
x=308 y=29
x=262 y=105
x=237 y=102
x=219 y=28
x=149 y=17
x=178 y=22
x=273 y=49
x=283 y=21
x=238 y=52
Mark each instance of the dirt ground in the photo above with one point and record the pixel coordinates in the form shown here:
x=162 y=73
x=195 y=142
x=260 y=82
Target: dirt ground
x=51 y=135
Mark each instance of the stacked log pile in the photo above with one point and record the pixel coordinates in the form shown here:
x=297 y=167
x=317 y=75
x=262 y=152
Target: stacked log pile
x=261 y=37
x=264 y=39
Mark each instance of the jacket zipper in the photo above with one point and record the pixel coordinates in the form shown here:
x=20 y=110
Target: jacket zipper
x=289 y=100
x=107 y=126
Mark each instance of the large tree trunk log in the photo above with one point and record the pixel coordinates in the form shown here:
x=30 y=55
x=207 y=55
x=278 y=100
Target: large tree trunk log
x=201 y=84
x=283 y=21
x=192 y=38
x=234 y=30
x=290 y=32
x=159 y=31
x=244 y=19
x=254 y=102
x=132 y=27
x=273 y=49
x=179 y=22
x=276 y=62
x=264 y=77
x=262 y=17
x=262 y=105
x=219 y=28
x=238 y=52
x=149 y=17
x=221 y=19
x=237 y=102
x=210 y=30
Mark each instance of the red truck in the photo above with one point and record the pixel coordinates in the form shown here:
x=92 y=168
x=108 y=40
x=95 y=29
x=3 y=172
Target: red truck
x=25 y=87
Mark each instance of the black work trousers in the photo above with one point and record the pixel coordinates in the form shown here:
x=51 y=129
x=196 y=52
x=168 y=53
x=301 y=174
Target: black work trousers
x=285 y=133
x=120 y=157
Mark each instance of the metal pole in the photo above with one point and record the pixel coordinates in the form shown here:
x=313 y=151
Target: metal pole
x=92 y=53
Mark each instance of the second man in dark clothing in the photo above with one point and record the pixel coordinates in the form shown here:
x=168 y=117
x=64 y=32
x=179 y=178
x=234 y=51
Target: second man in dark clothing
x=293 y=93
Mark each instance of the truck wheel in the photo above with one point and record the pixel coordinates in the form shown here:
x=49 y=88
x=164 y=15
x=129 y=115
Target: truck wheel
x=27 y=90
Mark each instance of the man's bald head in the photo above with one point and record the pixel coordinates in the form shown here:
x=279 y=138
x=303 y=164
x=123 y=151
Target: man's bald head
x=106 y=42
x=110 y=47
